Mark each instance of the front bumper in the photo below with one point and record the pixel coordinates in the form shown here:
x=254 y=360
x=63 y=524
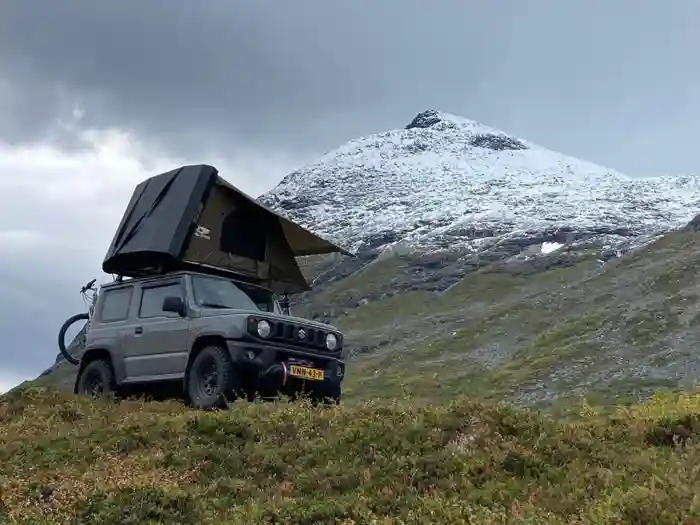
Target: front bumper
x=265 y=367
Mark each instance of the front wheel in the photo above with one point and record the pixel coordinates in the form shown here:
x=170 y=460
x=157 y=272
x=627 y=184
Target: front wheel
x=211 y=379
x=331 y=396
x=78 y=341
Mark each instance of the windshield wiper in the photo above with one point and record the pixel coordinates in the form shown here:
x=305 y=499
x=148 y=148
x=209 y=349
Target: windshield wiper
x=213 y=305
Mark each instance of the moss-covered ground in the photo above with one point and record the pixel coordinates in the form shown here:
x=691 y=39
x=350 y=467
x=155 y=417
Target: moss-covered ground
x=68 y=460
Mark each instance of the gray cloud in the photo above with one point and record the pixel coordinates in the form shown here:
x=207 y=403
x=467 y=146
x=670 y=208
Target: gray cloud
x=595 y=79
x=34 y=305
x=268 y=85
x=48 y=250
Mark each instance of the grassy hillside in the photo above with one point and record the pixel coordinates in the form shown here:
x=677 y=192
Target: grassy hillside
x=534 y=332
x=66 y=460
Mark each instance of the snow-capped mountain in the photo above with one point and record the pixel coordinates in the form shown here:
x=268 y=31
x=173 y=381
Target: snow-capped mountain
x=445 y=181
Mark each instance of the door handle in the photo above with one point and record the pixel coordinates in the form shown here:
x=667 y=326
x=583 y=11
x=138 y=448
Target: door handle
x=138 y=330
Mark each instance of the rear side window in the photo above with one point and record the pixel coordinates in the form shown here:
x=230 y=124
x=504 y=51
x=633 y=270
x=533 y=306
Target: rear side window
x=115 y=304
x=152 y=300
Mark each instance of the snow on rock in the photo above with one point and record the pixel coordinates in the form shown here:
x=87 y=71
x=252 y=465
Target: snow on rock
x=445 y=182
x=549 y=247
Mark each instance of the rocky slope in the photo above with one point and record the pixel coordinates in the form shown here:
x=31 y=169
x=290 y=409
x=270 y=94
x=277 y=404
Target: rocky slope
x=532 y=334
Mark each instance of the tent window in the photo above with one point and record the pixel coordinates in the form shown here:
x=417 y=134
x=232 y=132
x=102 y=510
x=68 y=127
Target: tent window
x=244 y=234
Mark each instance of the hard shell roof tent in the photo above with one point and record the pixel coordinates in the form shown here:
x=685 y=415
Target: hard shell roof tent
x=190 y=218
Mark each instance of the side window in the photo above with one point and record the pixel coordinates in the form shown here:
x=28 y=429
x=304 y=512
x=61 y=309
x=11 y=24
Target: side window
x=152 y=300
x=115 y=304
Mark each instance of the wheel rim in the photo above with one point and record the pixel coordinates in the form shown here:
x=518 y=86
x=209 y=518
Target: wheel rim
x=208 y=377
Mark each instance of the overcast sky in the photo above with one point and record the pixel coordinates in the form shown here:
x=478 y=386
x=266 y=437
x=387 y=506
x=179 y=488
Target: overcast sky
x=96 y=96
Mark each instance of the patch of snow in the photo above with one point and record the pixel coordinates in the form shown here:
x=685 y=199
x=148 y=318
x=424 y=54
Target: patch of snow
x=549 y=247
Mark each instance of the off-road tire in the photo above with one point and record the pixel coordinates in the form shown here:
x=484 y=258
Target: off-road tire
x=331 y=397
x=206 y=392
x=62 y=337
x=96 y=379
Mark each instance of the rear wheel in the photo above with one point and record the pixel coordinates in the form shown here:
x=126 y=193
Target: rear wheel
x=211 y=379
x=78 y=342
x=96 y=379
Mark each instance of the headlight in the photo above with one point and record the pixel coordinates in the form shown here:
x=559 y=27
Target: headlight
x=264 y=329
x=331 y=342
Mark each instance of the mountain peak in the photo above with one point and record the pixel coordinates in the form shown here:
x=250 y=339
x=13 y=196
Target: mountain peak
x=478 y=135
x=426 y=119
x=445 y=181
x=441 y=121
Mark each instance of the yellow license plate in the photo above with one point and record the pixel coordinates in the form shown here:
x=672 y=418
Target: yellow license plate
x=306 y=373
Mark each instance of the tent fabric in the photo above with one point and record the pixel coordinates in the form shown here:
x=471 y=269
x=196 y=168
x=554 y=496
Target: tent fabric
x=191 y=217
x=301 y=240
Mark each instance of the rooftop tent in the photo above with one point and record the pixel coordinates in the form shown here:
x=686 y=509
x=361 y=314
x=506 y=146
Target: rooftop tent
x=191 y=218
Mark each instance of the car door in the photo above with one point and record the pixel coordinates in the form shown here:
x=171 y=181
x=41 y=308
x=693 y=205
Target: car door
x=111 y=321
x=158 y=344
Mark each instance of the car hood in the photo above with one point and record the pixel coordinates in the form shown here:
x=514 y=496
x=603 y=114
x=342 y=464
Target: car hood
x=219 y=312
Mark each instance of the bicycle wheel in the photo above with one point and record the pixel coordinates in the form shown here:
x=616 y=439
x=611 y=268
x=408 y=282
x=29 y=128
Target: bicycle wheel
x=78 y=341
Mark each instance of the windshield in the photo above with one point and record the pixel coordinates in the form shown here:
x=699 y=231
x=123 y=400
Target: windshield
x=213 y=292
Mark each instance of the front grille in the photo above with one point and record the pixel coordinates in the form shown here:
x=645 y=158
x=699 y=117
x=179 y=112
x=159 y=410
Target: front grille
x=290 y=333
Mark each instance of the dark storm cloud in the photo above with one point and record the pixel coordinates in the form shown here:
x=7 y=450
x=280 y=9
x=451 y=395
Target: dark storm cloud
x=602 y=80
x=261 y=73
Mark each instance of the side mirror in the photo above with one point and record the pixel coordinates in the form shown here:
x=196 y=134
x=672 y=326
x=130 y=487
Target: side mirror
x=175 y=304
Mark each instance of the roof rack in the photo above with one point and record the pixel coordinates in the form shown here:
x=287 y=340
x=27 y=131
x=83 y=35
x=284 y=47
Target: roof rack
x=203 y=269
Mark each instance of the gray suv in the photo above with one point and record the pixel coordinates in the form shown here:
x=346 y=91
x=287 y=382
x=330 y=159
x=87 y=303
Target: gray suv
x=217 y=338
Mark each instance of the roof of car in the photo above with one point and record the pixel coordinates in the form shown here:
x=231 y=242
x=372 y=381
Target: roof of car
x=160 y=277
